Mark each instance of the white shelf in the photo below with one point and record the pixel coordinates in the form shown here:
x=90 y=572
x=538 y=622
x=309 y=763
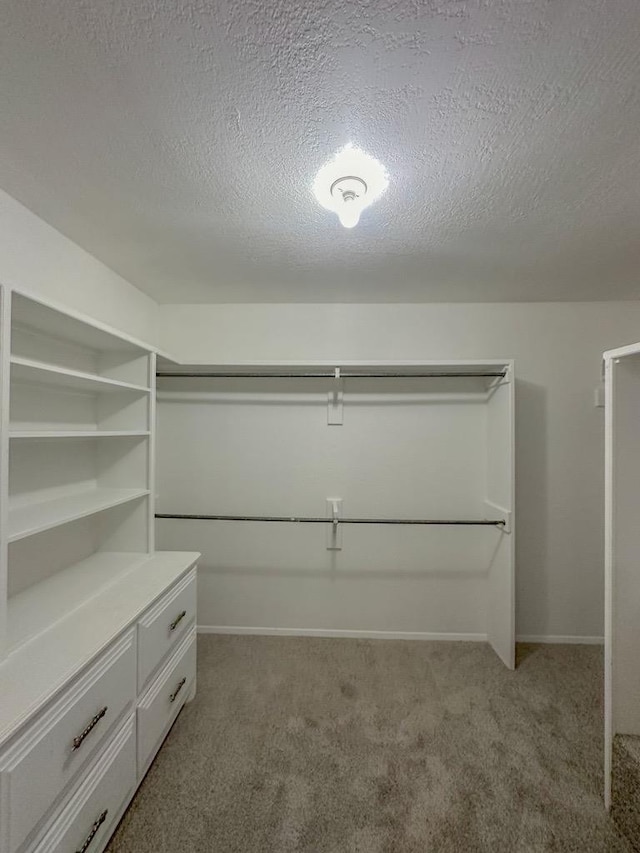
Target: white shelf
x=78 y=433
x=165 y=364
x=47 y=318
x=43 y=373
x=58 y=650
x=36 y=517
x=37 y=608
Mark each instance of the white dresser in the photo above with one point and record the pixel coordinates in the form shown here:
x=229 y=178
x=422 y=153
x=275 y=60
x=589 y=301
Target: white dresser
x=78 y=736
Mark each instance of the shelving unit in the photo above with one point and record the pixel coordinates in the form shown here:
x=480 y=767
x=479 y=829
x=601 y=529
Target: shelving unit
x=83 y=593
x=77 y=406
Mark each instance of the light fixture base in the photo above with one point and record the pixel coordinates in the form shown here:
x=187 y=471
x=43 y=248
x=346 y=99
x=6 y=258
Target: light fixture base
x=350 y=188
x=349 y=183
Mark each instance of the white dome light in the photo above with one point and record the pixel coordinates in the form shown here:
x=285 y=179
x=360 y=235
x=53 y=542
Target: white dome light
x=349 y=182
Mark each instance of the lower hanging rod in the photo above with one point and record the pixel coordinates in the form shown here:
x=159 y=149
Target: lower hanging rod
x=475 y=522
x=344 y=374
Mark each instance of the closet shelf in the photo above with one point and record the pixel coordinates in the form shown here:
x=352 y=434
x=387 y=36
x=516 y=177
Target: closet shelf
x=36 y=517
x=35 y=609
x=43 y=373
x=38 y=316
x=77 y=433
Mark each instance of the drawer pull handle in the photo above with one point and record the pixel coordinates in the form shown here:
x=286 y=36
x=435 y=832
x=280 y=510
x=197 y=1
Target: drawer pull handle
x=94 y=829
x=77 y=741
x=172 y=698
x=177 y=620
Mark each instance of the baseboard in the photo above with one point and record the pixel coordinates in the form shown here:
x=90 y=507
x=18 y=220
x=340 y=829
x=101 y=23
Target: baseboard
x=570 y=639
x=330 y=632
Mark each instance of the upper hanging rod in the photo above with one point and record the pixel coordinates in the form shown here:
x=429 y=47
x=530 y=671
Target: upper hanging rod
x=373 y=374
x=477 y=522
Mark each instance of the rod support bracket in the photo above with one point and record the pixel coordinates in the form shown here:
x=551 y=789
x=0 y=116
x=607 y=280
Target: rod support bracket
x=501 y=511
x=334 y=530
x=335 y=415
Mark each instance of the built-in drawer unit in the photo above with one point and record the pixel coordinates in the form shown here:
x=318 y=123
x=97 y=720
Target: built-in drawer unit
x=42 y=760
x=161 y=628
x=89 y=817
x=167 y=694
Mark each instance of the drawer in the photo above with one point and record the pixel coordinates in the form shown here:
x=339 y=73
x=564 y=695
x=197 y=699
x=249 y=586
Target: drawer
x=162 y=627
x=43 y=760
x=160 y=705
x=92 y=813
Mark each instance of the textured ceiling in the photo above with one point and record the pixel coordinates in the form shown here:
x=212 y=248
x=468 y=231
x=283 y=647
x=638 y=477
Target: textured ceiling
x=177 y=140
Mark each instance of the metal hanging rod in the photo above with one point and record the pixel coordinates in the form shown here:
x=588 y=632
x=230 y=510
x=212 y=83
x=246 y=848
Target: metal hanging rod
x=280 y=374
x=476 y=522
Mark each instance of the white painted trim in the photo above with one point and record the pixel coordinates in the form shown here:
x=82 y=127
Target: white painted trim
x=622 y=352
x=338 y=632
x=609 y=459
x=151 y=453
x=569 y=639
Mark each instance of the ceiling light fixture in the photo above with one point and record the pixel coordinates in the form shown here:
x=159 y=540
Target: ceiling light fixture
x=349 y=182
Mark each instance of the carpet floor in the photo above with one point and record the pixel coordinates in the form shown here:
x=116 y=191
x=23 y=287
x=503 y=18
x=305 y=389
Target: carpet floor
x=303 y=745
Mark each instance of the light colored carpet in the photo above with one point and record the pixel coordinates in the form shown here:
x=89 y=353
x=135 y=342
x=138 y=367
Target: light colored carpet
x=302 y=745
x=625 y=790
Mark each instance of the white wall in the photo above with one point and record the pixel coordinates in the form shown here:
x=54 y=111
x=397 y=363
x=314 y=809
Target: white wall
x=557 y=347
x=36 y=257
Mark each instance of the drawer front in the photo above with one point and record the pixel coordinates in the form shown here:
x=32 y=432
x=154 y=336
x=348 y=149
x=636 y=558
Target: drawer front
x=160 y=705
x=162 y=627
x=90 y=816
x=36 y=768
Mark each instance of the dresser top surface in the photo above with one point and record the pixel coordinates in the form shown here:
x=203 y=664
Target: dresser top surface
x=33 y=673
